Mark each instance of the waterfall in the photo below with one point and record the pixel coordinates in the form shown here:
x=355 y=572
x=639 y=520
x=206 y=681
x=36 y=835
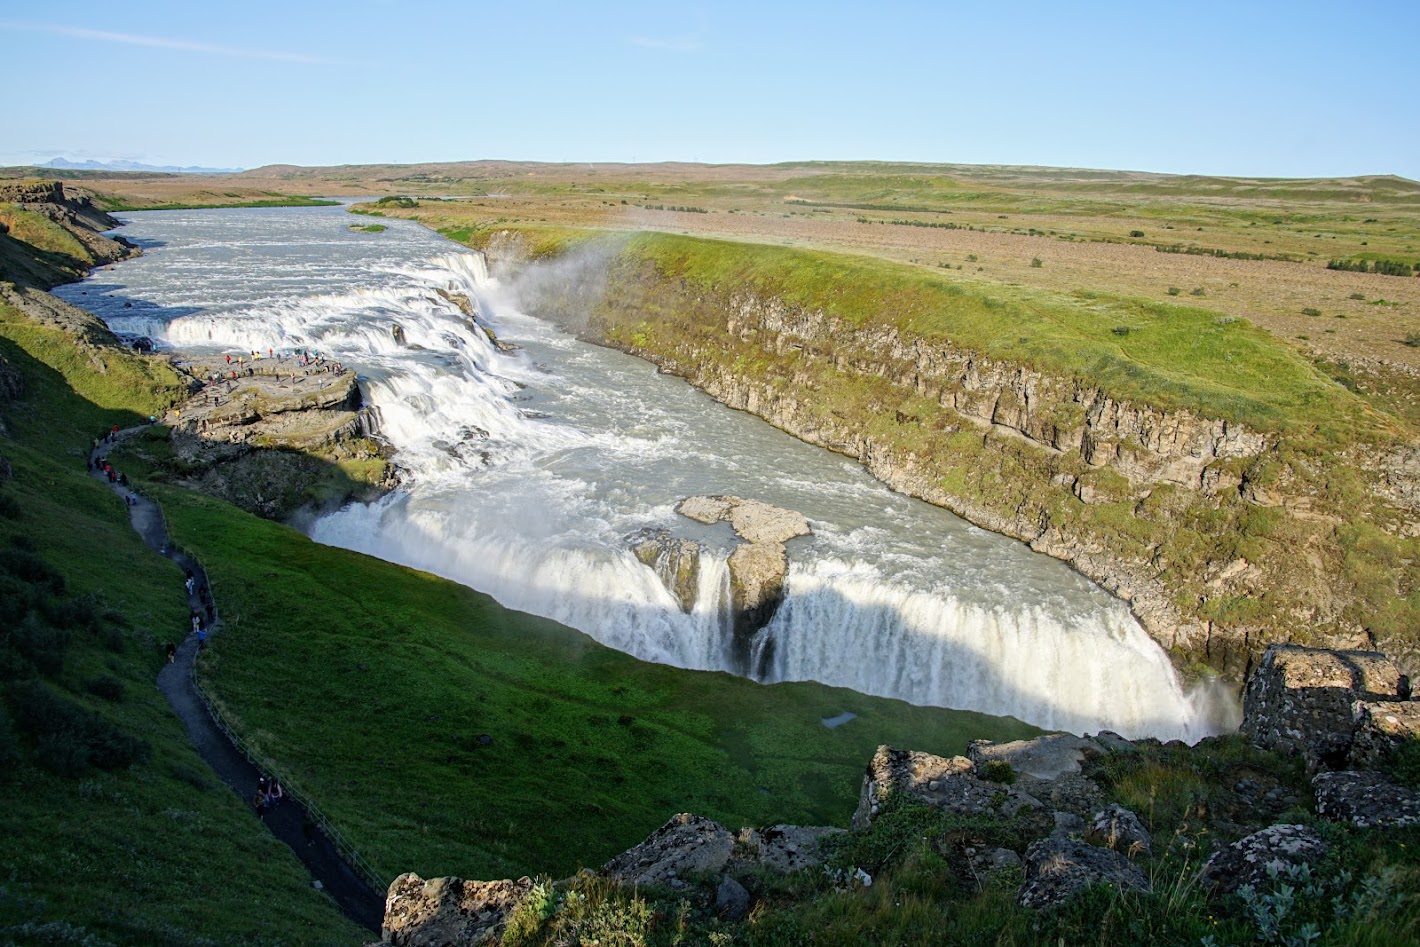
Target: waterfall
x=527 y=471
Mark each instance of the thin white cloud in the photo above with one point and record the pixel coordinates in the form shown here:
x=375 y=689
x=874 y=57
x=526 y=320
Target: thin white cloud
x=674 y=44
x=161 y=42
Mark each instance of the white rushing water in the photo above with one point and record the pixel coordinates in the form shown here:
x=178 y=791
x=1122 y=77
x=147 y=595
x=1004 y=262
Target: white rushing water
x=526 y=471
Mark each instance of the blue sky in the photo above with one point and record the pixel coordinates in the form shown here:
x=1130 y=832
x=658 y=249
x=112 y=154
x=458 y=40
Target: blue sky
x=1278 y=89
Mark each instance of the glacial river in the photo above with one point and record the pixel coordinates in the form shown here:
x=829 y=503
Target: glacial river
x=524 y=473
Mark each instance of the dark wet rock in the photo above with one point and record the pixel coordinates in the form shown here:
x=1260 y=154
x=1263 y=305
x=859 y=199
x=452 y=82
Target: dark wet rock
x=731 y=900
x=1369 y=800
x=1252 y=860
x=1299 y=700
x=1382 y=726
x=994 y=860
x=676 y=562
x=1120 y=829
x=449 y=912
x=757 y=569
x=1057 y=868
x=686 y=844
x=757 y=574
x=1068 y=825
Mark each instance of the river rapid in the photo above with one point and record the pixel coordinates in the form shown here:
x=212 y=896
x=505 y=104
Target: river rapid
x=525 y=472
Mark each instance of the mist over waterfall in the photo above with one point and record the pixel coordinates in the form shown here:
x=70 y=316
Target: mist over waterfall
x=525 y=472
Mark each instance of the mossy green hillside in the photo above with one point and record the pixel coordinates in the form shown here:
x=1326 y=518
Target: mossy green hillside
x=76 y=391
x=1171 y=357
x=115 y=830
x=44 y=235
x=371 y=686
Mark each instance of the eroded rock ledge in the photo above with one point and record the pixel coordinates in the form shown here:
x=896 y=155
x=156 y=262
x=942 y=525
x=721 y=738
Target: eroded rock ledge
x=281 y=440
x=758 y=566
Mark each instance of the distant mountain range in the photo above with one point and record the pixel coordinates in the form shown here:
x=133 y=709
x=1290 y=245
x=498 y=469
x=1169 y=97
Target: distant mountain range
x=68 y=165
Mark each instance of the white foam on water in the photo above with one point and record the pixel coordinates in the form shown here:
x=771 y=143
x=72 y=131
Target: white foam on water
x=525 y=473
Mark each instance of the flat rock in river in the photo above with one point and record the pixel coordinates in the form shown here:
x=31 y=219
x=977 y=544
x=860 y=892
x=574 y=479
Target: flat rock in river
x=753 y=520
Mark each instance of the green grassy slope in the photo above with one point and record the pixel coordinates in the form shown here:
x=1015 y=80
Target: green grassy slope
x=156 y=852
x=370 y=684
x=1164 y=355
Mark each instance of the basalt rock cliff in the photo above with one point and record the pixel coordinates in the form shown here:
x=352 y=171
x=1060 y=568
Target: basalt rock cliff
x=1221 y=538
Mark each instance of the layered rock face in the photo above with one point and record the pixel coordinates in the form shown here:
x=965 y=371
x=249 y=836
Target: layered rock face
x=1030 y=454
x=272 y=443
x=675 y=561
x=77 y=215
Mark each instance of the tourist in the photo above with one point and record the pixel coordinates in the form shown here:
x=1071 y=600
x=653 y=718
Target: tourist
x=172 y=652
x=275 y=794
x=201 y=638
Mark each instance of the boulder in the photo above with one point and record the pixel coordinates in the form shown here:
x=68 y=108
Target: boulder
x=1369 y=800
x=944 y=783
x=449 y=912
x=1120 y=829
x=1057 y=868
x=676 y=562
x=686 y=844
x=1044 y=757
x=1247 y=861
x=731 y=900
x=1299 y=700
x=1381 y=726
x=783 y=848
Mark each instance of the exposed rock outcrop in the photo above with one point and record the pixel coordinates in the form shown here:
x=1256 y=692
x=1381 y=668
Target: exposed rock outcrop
x=1370 y=800
x=692 y=844
x=274 y=443
x=675 y=561
x=944 y=783
x=783 y=849
x=449 y=912
x=1118 y=828
x=758 y=568
x=1044 y=757
x=1381 y=727
x=687 y=843
x=1057 y=868
x=1299 y=700
x=1252 y=860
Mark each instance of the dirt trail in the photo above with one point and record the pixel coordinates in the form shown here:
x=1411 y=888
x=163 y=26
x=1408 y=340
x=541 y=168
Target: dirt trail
x=288 y=821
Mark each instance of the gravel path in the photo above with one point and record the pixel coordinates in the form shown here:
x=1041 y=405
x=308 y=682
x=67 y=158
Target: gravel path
x=288 y=821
